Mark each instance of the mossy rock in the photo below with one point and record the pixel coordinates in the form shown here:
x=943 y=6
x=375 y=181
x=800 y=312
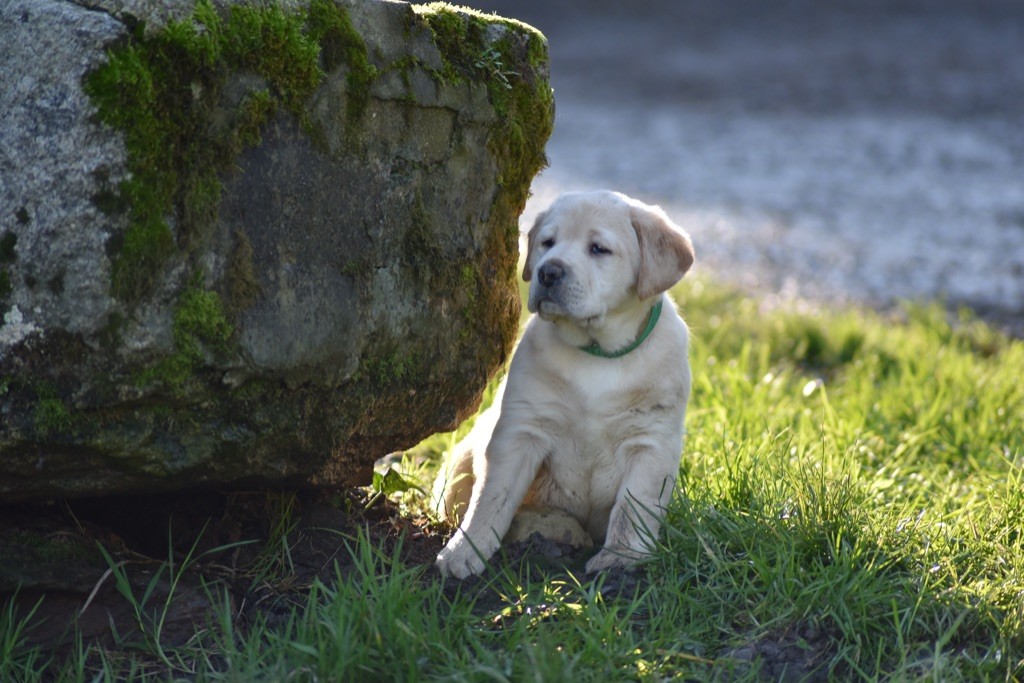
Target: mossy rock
x=254 y=243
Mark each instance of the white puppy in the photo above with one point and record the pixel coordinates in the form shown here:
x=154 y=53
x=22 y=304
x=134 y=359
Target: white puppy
x=590 y=416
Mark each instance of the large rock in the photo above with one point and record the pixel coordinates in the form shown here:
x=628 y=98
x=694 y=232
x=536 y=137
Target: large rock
x=253 y=243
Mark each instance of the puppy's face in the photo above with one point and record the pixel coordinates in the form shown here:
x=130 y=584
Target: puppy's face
x=583 y=256
x=593 y=252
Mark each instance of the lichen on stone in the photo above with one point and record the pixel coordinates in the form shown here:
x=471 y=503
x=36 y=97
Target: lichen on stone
x=15 y=329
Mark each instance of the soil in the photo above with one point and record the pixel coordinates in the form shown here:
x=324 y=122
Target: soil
x=221 y=539
x=56 y=559
x=800 y=652
x=51 y=562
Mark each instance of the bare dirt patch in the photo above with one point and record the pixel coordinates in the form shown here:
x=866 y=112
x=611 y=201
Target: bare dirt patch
x=261 y=551
x=181 y=558
x=800 y=652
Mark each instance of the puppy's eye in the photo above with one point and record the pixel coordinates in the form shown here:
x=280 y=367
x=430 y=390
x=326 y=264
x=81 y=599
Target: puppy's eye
x=548 y=243
x=599 y=250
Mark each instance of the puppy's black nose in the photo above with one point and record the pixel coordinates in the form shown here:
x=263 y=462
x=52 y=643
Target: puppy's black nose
x=550 y=273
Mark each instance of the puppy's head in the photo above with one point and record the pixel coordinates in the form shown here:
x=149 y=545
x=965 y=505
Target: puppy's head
x=592 y=252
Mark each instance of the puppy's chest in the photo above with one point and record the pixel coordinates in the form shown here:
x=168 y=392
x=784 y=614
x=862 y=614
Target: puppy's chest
x=590 y=448
x=603 y=415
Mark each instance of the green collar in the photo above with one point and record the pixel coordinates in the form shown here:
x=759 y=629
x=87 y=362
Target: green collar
x=595 y=350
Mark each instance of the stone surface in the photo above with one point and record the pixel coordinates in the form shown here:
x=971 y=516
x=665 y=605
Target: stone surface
x=328 y=274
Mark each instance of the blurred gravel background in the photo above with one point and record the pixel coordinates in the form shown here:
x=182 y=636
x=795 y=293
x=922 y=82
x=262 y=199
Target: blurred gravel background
x=868 y=151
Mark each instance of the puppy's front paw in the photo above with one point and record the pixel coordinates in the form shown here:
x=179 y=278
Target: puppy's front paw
x=611 y=559
x=460 y=559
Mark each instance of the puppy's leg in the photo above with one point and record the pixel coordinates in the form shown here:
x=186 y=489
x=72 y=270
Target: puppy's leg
x=453 y=485
x=637 y=513
x=505 y=473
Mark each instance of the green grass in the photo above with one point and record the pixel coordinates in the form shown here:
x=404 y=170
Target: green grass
x=851 y=489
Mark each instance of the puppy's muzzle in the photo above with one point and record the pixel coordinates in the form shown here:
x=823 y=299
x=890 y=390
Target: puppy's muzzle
x=551 y=273
x=553 y=288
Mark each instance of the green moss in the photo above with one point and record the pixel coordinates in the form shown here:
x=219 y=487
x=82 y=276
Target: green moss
x=469 y=286
x=161 y=90
x=524 y=103
x=457 y=39
x=393 y=367
x=275 y=45
x=51 y=416
x=512 y=68
x=258 y=107
x=357 y=268
x=241 y=283
x=56 y=548
x=461 y=37
x=134 y=93
x=341 y=44
x=528 y=117
x=200 y=326
x=419 y=247
x=257 y=390
x=200 y=317
x=404 y=68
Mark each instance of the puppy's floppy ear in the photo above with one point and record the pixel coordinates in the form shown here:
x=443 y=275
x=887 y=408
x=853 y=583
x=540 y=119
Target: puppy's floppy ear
x=666 y=252
x=531 y=244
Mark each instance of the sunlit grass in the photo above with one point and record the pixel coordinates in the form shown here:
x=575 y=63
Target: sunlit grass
x=858 y=472
x=851 y=485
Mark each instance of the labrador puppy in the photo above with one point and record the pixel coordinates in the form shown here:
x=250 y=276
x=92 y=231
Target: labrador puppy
x=590 y=416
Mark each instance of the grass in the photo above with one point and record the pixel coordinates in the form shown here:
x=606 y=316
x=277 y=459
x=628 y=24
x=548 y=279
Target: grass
x=851 y=505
